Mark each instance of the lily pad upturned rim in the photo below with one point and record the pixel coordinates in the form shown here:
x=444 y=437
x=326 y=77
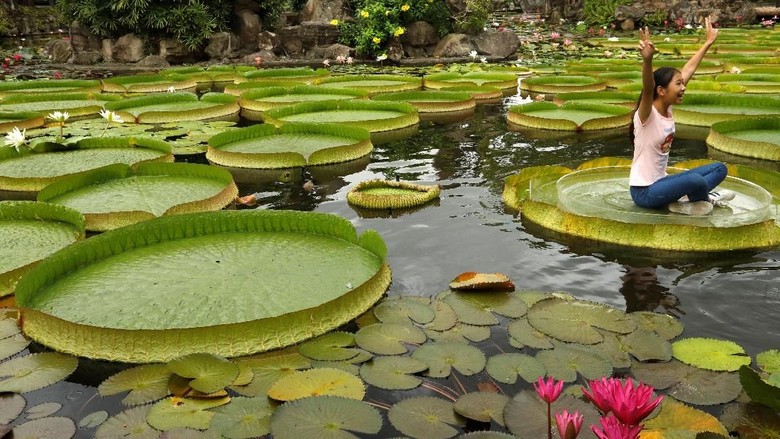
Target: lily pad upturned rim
x=234 y=339
x=217 y=106
x=611 y=116
x=562 y=83
x=719 y=138
x=407 y=113
x=418 y=194
x=432 y=101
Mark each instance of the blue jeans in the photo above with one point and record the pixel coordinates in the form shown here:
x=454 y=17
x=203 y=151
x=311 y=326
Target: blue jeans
x=696 y=183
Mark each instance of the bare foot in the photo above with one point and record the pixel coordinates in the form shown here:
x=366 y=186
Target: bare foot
x=247 y=200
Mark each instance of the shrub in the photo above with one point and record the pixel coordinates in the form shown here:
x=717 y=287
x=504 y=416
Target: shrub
x=601 y=12
x=474 y=18
x=190 y=21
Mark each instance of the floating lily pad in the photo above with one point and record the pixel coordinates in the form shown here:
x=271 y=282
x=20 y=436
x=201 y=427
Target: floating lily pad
x=43 y=410
x=523 y=334
x=298 y=74
x=526 y=414
x=119 y=195
x=486 y=435
x=175 y=412
x=172 y=107
x=751 y=421
x=461 y=333
x=442 y=357
x=689 y=384
x=11 y=406
x=705 y=110
x=576 y=321
x=482 y=281
x=678 y=418
x=666 y=326
x=388 y=338
x=506 y=368
x=433 y=101
x=646 y=346
x=180 y=386
x=754 y=137
x=254 y=101
x=333 y=346
x=564 y=362
x=377 y=83
x=326 y=417
x=209 y=373
x=79 y=104
x=268 y=368
x=292 y=145
x=445 y=317
x=570 y=116
x=388 y=194
x=149 y=83
x=758 y=390
x=10 y=88
x=482 y=94
x=173 y=316
x=35 y=371
x=768 y=361
x=145 y=383
x=316 y=382
x=482 y=406
x=425 y=418
x=393 y=373
x=478 y=308
x=243 y=418
x=404 y=309
x=12 y=345
x=561 y=84
x=22 y=120
x=31 y=231
x=130 y=423
x=492 y=79
x=709 y=353
x=614 y=350
x=94 y=419
x=372 y=115
x=54 y=427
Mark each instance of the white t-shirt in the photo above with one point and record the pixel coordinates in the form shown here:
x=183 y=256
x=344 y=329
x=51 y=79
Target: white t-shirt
x=652 y=142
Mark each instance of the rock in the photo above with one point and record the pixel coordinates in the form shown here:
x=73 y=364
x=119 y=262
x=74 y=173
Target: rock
x=174 y=52
x=628 y=24
x=336 y=50
x=502 y=44
x=395 y=50
x=82 y=39
x=264 y=55
x=420 y=34
x=625 y=12
x=415 y=52
x=453 y=45
x=107 y=49
x=268 y=41
x=248 y=26
x=222 y=45
x=128 y=49
x=155 y=61
x=318 y=34
x=456 y=7
x=87 y=58
x=324 y=10
x=59 y=51
x=291 y=42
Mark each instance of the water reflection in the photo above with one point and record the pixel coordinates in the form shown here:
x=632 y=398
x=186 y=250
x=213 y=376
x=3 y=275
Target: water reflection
x=643 y=292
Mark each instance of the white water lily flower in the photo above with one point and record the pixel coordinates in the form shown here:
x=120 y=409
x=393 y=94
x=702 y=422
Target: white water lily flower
x=688 y=26
x=15 y=138
x=110 y=116
x=736 y=70
x=667 y=39
x=612 y=39
x=483 y=60
x=59 y=116
x=381 y=57
x=473 y=54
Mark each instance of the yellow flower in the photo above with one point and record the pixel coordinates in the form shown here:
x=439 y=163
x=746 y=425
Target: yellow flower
x=398 y=32
x=364 y=14
x=377 y=40
x=334 y=22
x=405 y=8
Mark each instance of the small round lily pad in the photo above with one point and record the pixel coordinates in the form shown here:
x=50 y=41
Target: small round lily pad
x=393 y=372
x=35 y=371
x=710 y=353
x=425 y=418
x=326 y=417
x=145 y=384
x=209 y=373
x=316 y=382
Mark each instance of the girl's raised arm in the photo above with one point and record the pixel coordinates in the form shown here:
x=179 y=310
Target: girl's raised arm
x=690 y=67
x=646 y=49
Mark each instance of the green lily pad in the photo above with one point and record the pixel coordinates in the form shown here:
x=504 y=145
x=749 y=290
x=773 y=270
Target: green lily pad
x=751 y=421
x=477 y=308
x=445 y=317
x=666 y=326
x=768 y=361
x=35 y=371
x=487 y=435
x=43 y=410
x=12 y=345
x=758 y=390
x=404 y=309
x=709 y=353
x=175 y=412
x=332 y=346
x=755 y=137
x=576 y=321
x=425 y=418
x=689 y=384
x=526 y=414
x=679 y=420
x=145 y=384
x=441 y=357
x=55 y=427
x=268 y=368
x=371 y=115
x=209 y=373
x=564 y=362
x=571 y=116
x=613 y=349
x=242 y=418
x=353 y=369
x=130 y=423
x=11 y=406
x=523 y=334
x=461 y=333
x=326 y=417
x=316 y=382
x=646 y=346
x=393 y=373
x=94 y=419
x=388 y=338
x=172 y=272
x=505 y=368
x=482 y=406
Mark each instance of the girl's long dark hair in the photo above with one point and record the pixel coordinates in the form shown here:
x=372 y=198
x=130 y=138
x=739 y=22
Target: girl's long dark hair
x=662 y=76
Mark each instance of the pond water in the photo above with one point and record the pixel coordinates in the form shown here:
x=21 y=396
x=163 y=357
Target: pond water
x=733 y=296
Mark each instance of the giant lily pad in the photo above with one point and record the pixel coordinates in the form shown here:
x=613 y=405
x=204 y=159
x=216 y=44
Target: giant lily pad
x=75 y=104
x=254 y=102
x=562 y=83
x=388 y=194
x=29 y=232
x=571 y=116
x=372 y=84
x=149 y=83
x=492 y=79
x=756 y=137
x=31 y=171
x=119 y=195
x=326 y=417
x=144 y=317
x=174 y=107
x=21 y=120
x=11 y=88
x=432 y=101
x=753 y=82
x=689 y=384
x=705 y=110
x=297 y=74
x=374 y=116
x=292 y=145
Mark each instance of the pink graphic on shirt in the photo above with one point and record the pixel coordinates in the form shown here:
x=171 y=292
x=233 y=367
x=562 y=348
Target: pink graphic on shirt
x=666 y=145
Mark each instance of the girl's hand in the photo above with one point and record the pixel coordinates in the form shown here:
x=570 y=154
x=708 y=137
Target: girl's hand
x=646 y=47
x=711 y=32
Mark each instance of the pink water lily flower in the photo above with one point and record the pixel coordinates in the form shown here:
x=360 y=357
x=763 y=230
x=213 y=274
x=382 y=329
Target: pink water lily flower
x=629 y=404
x=612 y=428
x=549 y=390
x=569 y=424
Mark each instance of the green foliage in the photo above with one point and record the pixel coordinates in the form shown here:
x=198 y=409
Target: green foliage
x=473 y=19
x=657 y=18
x=377 y=22
x=189 y=21
x=601 y=12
